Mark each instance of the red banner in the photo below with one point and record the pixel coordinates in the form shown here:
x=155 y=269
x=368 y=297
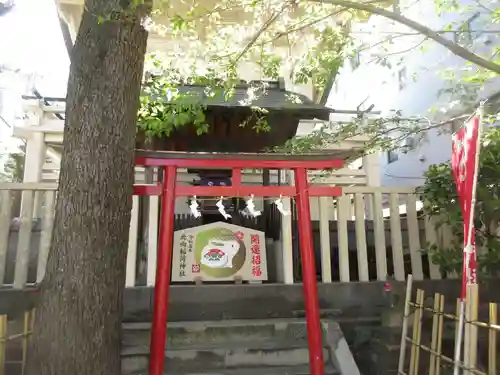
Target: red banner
x=463 y=163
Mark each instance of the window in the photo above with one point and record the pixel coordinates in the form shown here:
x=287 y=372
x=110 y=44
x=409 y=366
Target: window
x=402 y=78
x=392 y=156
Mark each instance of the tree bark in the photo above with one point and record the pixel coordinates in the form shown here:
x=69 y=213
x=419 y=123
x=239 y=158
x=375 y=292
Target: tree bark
x=424 y=30
x=78 y=324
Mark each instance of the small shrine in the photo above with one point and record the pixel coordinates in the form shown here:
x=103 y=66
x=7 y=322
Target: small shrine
x=232 y=121
x=232 y=130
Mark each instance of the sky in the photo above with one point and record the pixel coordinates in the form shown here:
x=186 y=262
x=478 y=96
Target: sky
x=35 y=44
x=36 y=48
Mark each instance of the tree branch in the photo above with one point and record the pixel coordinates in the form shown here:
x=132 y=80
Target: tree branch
x=424 y=30
x=417 y=33
x=480 y=4
x=254 y=39
x=399 y=52
x=380 y=42
x=301 y=27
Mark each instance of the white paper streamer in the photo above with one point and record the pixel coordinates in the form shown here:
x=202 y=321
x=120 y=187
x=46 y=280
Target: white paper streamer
x=222 y=209
x=251 y=207
x=194 y=206
x=279 y=204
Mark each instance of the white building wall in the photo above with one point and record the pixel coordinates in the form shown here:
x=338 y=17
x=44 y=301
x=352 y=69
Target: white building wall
x=420 y=88
x=410 y=167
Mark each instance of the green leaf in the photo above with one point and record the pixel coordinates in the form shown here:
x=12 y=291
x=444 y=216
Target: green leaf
x=441 y=203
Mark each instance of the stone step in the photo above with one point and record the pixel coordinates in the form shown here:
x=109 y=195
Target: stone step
x=139 y=349
x=260 y=370
x=191 y=360
x=226 y=333
x=221 y=346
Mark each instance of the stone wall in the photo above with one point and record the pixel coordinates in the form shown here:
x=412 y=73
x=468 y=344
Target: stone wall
x=141 y=277
x=357 y=307
x=254 y=301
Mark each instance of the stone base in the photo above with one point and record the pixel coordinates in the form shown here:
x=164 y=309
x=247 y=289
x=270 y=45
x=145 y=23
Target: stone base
x=392 y=318
x=238 y=347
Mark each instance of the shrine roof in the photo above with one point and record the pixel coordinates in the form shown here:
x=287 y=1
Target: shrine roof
x=273 y=156
x=273 y=98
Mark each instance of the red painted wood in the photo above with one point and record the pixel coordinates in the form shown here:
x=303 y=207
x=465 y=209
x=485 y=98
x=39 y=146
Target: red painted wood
x=235 y=191
x=314 y=331
x=241 y=163
x=324 y=191
x=148 y=189
x=163 y=275
x=236 y=177
x=241 y=191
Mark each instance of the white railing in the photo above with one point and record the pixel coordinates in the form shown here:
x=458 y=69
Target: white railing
x=23 y=258
x=363 y=231
x=344 y=176
x=41 y=118
x=364 y=205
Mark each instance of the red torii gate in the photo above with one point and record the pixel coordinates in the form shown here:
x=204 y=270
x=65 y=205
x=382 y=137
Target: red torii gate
x=168 y=191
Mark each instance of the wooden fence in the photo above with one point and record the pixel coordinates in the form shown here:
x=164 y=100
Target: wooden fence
x=357 y=238
x=429 y=347
x=14 y=345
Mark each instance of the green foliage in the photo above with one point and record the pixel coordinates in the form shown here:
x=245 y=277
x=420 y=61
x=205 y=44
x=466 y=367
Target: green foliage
x=441 y=203
x=13 y=167
x=479 y=22
x=308 y=41
x=324 y=59
x=165 y=108
x=304 y=40
x=384 y=133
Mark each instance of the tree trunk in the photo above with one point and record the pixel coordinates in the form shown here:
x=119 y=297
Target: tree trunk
x=78 y=323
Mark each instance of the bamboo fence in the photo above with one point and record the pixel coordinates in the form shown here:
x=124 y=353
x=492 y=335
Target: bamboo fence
x=428 y=318
x=15 y=342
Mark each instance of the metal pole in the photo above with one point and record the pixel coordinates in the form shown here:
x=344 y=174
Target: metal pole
x=458 y=338
x=163 y=274
x=402 y=350
x=314 y=331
